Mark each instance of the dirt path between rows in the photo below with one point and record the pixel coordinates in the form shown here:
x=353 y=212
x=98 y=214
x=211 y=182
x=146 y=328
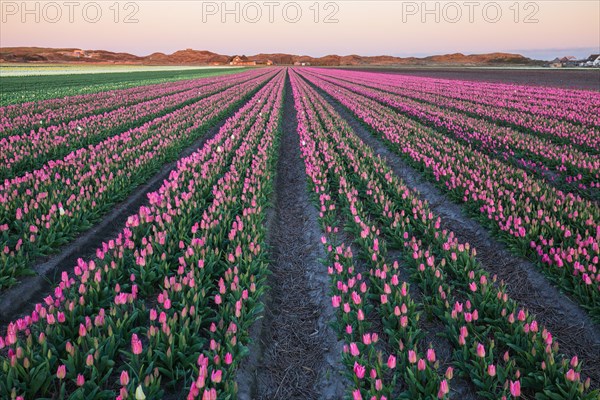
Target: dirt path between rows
x=21 y=298
x=569 y=324
x=295 y=353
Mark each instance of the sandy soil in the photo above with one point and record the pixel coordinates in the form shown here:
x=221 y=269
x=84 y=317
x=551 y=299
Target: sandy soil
x=296 y=352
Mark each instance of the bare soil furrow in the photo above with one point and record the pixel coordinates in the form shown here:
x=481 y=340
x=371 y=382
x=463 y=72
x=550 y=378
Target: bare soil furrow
x=297 y=354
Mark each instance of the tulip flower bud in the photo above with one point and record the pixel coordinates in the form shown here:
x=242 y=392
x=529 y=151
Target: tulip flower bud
x=412 y=357
x=444 y=389
x=61 y=372
x=391 y=363
x=139 y=393
x=124 y=379
x=431 y=355
x=574 y=361
x=480 y=350
x=449 y=373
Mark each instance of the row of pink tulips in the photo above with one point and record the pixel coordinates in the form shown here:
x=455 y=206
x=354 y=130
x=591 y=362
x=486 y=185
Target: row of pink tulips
x=376 y=372
x=484 y=325
x=22 y=153
x=22 y=118
x=474 y=103
x=564 y=163
x=575 y=106
x=144 y=315
x=47 y=208
x=558 y=230
x=243 y=255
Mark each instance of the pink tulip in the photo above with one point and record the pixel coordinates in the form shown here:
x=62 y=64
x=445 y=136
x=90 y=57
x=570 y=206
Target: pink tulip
x=209 y=394
x=124 y=379
x=335 y=301
x=480 y=350
x=61 y=372
x=359 y=370
x=391 y=362
x=412 y=357
x=515 y=388
x=136 y=345
x=366 y=339
x=444 y=389
x=431 y=355
x=216 y=376
x=574 y=361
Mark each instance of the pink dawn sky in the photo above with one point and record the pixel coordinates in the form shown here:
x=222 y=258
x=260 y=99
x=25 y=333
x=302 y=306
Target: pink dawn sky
x=539 y=29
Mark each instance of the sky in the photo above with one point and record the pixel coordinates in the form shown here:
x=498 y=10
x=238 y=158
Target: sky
x=540 y=29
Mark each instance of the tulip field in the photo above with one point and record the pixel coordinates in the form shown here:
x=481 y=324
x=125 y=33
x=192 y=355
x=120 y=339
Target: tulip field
x=52 y=81
x=73 y=192
x=171 y=303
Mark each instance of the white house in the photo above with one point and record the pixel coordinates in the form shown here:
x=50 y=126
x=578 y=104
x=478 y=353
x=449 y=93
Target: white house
x=592 y=61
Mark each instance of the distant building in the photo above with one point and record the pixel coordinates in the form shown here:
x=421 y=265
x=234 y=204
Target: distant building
x=241 y=60
x=264 y=62
x=592 y=61
x=568 y=61
x=81 y=53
